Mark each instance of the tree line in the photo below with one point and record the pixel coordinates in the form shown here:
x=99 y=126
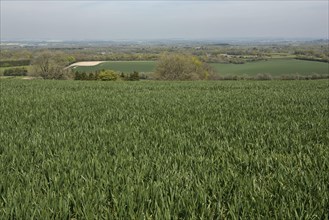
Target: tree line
x=170 y=66
x=107 y=75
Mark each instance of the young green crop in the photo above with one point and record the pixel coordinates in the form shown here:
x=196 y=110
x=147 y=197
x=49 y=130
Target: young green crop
x=274 y=67
x=164 y=150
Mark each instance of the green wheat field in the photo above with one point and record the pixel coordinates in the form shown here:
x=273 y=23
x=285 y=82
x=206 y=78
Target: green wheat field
x=164 y=150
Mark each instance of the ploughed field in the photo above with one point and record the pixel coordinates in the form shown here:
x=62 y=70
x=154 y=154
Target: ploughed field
x=275 y=67
x=161 y=150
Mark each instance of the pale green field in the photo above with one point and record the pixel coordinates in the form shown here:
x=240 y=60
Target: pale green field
x=275 y=67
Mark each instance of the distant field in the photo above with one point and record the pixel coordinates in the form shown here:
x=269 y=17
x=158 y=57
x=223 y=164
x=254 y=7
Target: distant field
x=275 y=67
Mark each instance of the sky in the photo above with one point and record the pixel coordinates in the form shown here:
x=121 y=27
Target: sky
x=142 y=20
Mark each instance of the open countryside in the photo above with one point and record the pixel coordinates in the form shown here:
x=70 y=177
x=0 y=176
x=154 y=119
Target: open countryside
x=275 y=67
x=167 y=138
x=173 y=110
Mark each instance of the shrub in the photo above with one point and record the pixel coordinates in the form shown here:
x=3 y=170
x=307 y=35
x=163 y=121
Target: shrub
x=310 y=58
x=9 y=63
x=80 y=76
x=132 y=76
x=263 y=76
x=15 y=72
x=143 y=76
x=182 y=67
x=108 y=75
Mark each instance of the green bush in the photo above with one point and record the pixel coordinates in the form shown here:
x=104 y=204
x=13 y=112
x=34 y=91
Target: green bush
x=134 y=76
x=9 y=63
x=182 y=67
x=263 y=76
x=80 y=76
x=85 y=76
x=108 y=75
x=104 y=75
x=15 y=72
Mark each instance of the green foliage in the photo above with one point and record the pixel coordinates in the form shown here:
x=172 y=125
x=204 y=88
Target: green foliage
x=86 y=76
x=104 y=75
x=263 y=76
x=108 y=75
x=313 y=55
x=12 y=63
x=181 y=67
x=310 y=58
x=18 y=71
x=71 y=59
x=134 y=76
x=164 y=150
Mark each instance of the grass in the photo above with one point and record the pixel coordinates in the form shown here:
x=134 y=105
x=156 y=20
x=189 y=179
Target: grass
x=275 y=67
x=164 y=150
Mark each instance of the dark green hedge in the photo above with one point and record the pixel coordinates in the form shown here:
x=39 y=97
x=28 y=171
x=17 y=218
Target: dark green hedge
x=15 y=72
x=10 y=63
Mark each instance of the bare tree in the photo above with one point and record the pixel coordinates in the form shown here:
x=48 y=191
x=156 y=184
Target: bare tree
x=50 y=65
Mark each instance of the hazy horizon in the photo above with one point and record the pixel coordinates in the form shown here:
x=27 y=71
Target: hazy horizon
x=151 y=20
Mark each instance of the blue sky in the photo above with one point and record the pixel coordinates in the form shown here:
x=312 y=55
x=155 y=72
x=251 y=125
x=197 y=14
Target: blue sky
x=114 y=20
